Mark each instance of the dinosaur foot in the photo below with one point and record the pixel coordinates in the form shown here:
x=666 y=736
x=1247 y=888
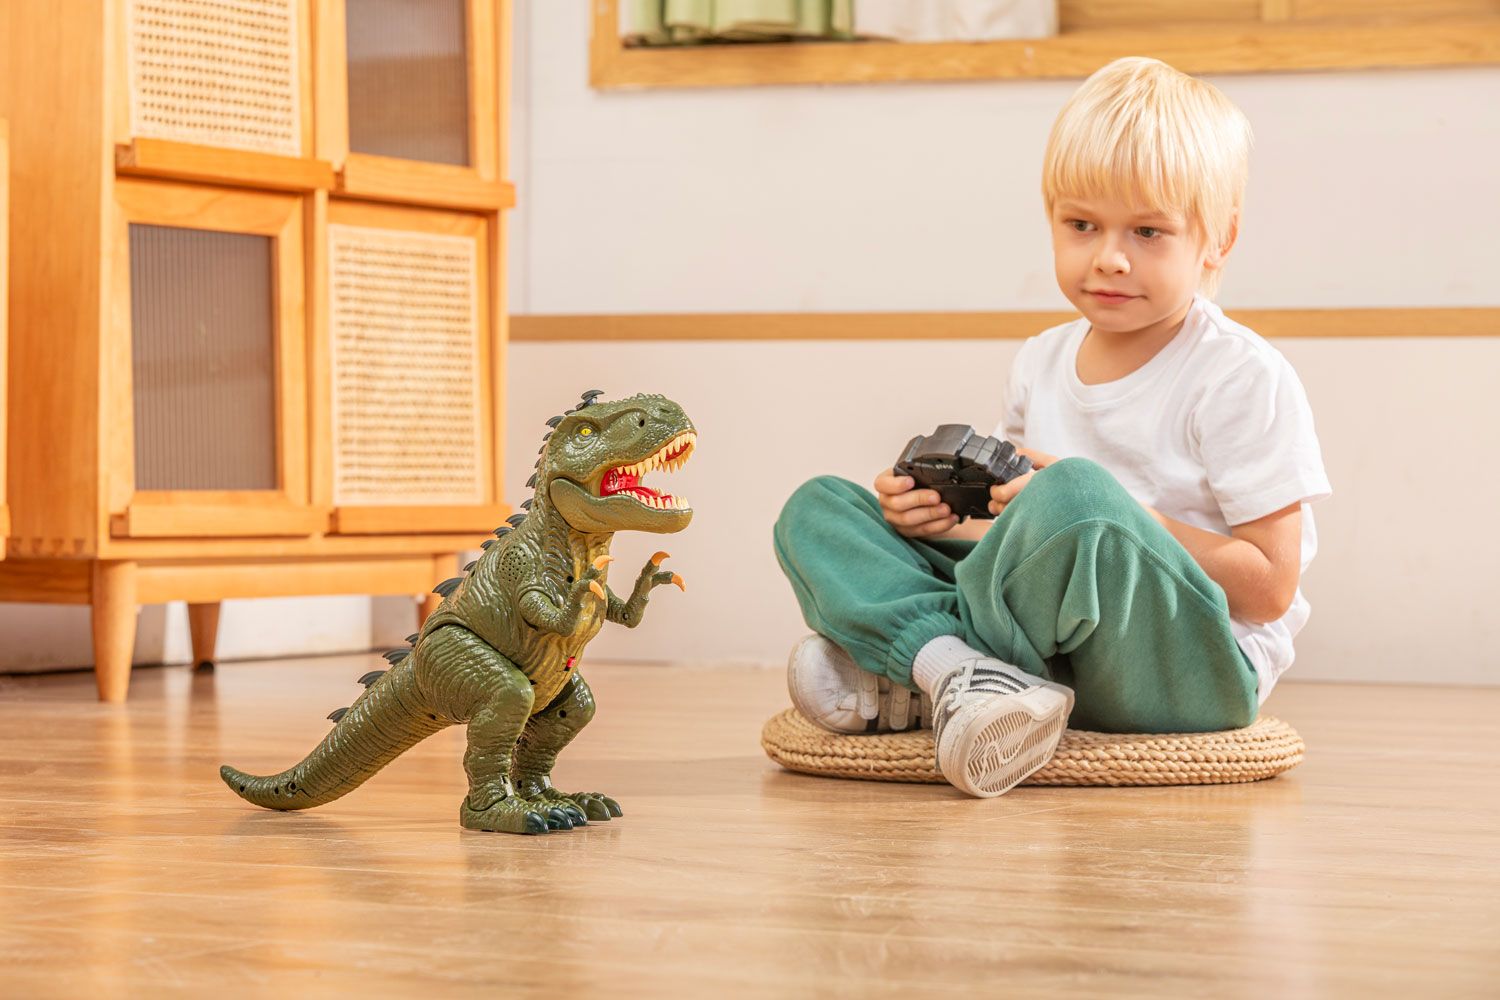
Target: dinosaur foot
x=513 y=815
x=552 y=799
x=596 y=806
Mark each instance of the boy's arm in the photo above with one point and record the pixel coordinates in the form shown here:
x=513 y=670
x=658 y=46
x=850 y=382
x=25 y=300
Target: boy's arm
x=1258 y=566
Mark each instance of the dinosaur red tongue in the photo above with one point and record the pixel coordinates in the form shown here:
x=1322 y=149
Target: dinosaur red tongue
x=616 y=481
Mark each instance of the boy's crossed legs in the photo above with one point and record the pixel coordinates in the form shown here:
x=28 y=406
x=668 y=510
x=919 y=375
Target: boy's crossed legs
x=1074 y=586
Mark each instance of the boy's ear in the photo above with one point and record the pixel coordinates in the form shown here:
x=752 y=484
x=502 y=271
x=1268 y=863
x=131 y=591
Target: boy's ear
x=1217 y=256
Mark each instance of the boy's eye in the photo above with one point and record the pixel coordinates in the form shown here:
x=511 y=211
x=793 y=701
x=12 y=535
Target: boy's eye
x=1080 y=226
x=1148 y=232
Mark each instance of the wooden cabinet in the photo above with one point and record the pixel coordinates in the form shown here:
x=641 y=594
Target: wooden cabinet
x=258 y=339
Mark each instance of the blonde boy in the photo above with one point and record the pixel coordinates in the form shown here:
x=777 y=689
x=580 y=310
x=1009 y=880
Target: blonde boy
x=1145 y=581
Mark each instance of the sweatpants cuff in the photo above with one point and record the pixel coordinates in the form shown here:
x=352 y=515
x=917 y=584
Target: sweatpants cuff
x=917 y=633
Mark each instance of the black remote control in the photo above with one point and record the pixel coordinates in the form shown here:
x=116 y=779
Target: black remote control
x=961 y=466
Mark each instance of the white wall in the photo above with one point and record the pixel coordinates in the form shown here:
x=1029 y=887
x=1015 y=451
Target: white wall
x=1367 y=189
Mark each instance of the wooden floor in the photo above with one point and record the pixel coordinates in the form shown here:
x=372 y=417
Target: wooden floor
x=126 y=868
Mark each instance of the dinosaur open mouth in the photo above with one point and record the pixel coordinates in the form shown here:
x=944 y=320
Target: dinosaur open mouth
x=625 y=480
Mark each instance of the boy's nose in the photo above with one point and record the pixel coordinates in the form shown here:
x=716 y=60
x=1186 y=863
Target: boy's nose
x=1112 y=260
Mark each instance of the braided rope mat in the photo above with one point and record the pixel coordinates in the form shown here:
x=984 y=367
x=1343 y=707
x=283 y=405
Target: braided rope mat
x=1263 y=749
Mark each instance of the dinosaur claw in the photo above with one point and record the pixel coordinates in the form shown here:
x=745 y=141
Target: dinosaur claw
x=557 y=819
x=603 y=561
x=598 y=590
x=678 y=581
x=656 y=560
x=595 y=807
x=534 y=823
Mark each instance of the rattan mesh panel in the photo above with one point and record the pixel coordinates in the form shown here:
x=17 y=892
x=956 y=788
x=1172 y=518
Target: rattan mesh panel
x=408 y=79
x=216 y=72
x=405 y=330
x=203 y=359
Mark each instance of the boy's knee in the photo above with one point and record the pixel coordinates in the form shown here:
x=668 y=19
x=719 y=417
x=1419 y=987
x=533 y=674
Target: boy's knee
x=1077 y=484
x=819 y=493
x=816 y=499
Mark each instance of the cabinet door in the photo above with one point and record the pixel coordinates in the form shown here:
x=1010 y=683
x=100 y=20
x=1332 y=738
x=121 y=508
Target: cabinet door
x=408 y=407
x=207 y=381
x=409 y=99
x=228 y=75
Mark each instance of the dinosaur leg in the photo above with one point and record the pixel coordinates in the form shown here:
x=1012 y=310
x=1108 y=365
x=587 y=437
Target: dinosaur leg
x=473 y=683
x=546 y=734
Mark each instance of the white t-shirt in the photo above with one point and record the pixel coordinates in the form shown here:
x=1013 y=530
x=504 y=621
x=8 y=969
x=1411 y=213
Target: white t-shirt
x=1214 y=431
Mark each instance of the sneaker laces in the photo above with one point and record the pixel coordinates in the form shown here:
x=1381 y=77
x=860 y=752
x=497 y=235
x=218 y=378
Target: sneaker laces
x=974 y=680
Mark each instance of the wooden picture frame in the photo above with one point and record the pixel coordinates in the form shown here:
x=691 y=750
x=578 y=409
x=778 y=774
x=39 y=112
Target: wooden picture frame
x=1276 y=36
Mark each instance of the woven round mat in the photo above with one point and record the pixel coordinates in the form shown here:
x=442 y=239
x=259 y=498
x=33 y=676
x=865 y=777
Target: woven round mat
x=1263 y=749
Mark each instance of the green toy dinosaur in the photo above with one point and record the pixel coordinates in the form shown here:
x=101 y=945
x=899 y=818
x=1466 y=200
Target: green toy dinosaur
x=500 y=654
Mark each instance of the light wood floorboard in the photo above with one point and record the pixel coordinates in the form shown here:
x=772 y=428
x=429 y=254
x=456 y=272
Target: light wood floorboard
x=126 y=868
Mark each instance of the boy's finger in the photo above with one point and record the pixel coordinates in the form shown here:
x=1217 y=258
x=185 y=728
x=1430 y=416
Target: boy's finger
x=914 y=499
x=938 y=527
x=921 y=515
x=1006 y=492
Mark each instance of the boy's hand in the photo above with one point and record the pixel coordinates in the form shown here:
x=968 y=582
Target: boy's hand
x=913 y=513
x=1002 y=494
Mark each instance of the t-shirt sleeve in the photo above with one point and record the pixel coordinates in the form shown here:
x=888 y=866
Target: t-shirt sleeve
x=1255 y=437
x=1012 y=426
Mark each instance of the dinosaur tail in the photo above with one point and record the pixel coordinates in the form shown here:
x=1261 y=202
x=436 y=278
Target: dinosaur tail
x=383 y=723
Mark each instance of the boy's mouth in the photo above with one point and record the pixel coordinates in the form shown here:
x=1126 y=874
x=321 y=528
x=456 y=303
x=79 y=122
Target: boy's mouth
x=1110 y=296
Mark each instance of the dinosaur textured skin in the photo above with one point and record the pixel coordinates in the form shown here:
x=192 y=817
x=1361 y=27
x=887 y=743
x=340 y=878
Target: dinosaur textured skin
x=500 y=654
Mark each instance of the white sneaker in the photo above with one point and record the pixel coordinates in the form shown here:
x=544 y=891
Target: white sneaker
x=995 y=724
x=829 y=688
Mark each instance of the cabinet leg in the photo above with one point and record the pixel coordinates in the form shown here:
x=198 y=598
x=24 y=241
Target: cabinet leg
x=443 y=566
x=203 y=625
x=114 y=607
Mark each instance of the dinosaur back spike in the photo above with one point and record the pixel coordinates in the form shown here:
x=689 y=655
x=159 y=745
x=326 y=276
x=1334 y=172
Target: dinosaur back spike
x=470 y=565
x=395 y=656
x=531 y=483
x=337 y=714
x=526 y=504
x=553 y=422
x=371 y=677
x=448 y=586
x=486 y=543
x=411 y=640
x=516 y=519
x=502 y=532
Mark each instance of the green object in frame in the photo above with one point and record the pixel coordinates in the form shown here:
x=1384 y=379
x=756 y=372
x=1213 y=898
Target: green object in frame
x=500 y=654
x=690 y=22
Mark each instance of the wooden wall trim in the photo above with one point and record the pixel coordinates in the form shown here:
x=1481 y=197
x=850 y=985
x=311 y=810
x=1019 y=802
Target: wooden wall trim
x=1464 y=322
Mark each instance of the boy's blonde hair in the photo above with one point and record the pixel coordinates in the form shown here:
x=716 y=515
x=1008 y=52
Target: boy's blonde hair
x=1140 y=131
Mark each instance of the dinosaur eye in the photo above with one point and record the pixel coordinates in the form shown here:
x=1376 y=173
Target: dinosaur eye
x=585 y=431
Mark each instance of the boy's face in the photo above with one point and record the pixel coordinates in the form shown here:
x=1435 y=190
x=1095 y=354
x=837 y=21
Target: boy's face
x=1127 y=268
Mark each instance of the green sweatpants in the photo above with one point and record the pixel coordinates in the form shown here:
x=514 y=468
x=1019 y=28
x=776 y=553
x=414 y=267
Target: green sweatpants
x=1074 y=582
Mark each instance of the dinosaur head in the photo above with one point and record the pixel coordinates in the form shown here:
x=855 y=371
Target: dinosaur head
x=593 y=463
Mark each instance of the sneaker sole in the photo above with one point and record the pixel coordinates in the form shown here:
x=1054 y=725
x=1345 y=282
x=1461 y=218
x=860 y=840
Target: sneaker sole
x=1006 y=748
